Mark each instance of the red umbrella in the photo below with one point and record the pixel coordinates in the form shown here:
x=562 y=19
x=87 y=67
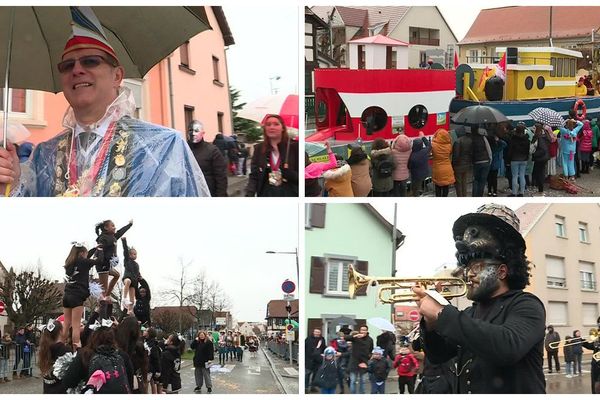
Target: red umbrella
x=284 y=105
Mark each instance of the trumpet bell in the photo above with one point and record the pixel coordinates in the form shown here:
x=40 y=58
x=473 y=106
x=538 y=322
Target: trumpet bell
x=398 y=290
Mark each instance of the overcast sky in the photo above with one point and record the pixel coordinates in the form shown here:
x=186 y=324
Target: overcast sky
x=427 y=225
x=228 y=239
x=266 y=46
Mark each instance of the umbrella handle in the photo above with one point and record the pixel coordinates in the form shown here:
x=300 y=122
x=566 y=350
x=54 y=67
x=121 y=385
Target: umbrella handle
x=7 y=192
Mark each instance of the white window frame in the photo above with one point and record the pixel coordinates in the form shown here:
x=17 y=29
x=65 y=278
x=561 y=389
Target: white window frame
x=590 y=282
x=556 y=282
x=28 y=105
x=341 y=276
x=560 y=221
x=584 y=236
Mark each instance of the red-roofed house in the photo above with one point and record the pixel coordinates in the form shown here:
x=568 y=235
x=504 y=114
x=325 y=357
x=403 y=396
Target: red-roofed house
x=423 y=27
x=563 y=245
x=529 y=26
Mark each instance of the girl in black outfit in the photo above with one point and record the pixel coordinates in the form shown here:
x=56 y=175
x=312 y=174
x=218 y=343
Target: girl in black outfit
x=107 y=242
x=142 y=303
x=129 y=341
x=51 y=348
x=131 y=276
x=77 y=268
x=154 y=351
x=171 y=364
x=274 y=166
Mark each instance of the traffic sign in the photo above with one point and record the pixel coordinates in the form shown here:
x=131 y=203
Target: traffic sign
x=289 y=333
x=288 y=286
x=288 y=297
x=2 y=306
x=414 y=316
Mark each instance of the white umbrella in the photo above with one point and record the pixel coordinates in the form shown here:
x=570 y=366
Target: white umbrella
x=382 y=324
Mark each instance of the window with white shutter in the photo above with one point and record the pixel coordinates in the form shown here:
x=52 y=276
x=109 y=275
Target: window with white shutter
x=589 y=313
x=555 y=272
x=337 y=276
x=561 y=230
x=557 y=313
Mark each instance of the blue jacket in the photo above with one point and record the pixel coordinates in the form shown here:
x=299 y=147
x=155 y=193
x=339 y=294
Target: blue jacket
x=497 y=151
x=418 y=163
x=567 y=139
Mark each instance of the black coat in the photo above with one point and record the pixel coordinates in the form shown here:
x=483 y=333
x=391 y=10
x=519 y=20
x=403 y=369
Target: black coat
x=542 y=151
x=204 y=352
x=518 y=148
x=360 y=352
x=213 y=166
x=258 y=180
x=313 y=348
x=418 y=162
x=499 y=351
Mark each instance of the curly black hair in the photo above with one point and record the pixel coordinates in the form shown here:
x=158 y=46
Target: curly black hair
x=519 y=268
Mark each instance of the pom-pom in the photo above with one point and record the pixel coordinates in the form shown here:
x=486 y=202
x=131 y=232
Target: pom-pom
x=61 y=365
x=96 y=290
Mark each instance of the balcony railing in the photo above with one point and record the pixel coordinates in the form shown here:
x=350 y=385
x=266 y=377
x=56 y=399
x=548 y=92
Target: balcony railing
x=425 y=41
x=588 y=285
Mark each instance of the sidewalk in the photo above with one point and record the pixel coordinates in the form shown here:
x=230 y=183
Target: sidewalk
x=285 y=374
x=236 y=185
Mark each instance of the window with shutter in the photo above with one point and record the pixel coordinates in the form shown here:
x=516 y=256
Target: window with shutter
x=317 y=275
x=555 y=272
x=586 y=274
x=317 y=215
x=557 y=313
x=589 y=313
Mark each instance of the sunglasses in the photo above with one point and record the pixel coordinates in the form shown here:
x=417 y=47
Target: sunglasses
x=87 y=62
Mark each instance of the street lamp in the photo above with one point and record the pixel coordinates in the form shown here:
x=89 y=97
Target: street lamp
x=295 y=252
x=271 y=79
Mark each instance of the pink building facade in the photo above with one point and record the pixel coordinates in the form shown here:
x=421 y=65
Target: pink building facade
x=192 y=83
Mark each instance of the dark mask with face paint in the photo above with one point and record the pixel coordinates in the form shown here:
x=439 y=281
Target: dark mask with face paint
x=477 y=242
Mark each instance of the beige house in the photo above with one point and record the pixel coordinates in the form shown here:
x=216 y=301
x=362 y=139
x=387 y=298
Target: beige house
x=563 y=243
x=573 y=27
x=423 y=27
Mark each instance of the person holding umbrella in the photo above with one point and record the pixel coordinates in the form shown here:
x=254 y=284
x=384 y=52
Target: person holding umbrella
x=274 y=166
x=103 y=151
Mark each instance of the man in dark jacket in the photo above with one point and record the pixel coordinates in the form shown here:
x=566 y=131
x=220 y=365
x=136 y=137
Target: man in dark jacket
x=482 y=159
x=496 y=345
x=541 y=155
x=313 y=348
x=362 y=346
x=210 y=159
x=551 y=337
x=462 y=160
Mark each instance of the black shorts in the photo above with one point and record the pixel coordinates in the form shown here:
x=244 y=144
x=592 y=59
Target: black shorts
x=134 y=281
x=75 y=295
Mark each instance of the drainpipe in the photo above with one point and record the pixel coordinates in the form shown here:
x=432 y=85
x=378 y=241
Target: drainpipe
x=550 y=33
x=394 y=255
x=171 y=94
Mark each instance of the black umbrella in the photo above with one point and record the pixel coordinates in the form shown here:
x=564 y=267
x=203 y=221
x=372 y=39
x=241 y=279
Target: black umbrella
x=479 y=115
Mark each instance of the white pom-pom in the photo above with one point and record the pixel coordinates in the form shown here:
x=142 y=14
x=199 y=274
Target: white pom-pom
x=95 y=290
x=62 y=363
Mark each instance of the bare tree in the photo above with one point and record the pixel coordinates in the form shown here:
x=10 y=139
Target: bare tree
x=28 y=296
x=182 y=288
x=172 y=321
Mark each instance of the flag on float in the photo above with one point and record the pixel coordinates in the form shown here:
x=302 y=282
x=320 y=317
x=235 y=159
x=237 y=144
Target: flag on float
x=455 y=60
x=501 y=68
x=485 y=75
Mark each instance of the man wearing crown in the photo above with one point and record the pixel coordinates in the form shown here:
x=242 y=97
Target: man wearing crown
x=103 y=151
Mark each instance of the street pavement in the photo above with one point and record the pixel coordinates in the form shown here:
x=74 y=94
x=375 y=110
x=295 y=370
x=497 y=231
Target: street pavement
x=254 y=375
x=589 y=186
x=236 y=185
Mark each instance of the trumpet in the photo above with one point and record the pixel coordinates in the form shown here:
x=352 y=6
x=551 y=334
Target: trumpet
x=592 y=337
x=450 y=287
